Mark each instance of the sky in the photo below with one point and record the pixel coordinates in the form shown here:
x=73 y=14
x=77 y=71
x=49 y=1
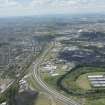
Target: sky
x=42 y=7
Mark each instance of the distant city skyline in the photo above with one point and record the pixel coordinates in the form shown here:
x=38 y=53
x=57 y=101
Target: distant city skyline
x=41 y=7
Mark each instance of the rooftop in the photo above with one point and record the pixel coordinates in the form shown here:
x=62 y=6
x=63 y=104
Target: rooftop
x=97 y=80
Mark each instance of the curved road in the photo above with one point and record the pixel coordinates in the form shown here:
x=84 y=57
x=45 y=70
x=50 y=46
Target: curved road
x=54 y=93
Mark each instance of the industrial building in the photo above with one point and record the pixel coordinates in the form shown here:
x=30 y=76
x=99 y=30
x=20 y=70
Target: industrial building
x=97 y=81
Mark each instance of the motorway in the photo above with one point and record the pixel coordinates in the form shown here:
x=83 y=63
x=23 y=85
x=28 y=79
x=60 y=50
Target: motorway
x=42 y=84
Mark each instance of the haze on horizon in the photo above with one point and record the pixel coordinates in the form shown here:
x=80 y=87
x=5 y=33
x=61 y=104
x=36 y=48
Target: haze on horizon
x=42 y=7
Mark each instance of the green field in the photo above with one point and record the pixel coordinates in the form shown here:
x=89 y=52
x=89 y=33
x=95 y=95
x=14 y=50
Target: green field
x=100 y=101
x=42 y=100
x=83 y=82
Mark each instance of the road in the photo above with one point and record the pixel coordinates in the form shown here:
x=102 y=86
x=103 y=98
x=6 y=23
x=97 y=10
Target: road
x=42 y=84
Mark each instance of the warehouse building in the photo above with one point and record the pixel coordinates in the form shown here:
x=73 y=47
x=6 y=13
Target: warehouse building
x=97 y=81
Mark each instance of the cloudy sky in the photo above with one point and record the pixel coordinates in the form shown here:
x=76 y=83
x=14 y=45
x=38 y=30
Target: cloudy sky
x=40 y=7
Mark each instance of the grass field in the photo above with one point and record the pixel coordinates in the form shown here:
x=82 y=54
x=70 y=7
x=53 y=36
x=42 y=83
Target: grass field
x=96 y=102
x=52 y=81
x=42 y=100
x=83 y=82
